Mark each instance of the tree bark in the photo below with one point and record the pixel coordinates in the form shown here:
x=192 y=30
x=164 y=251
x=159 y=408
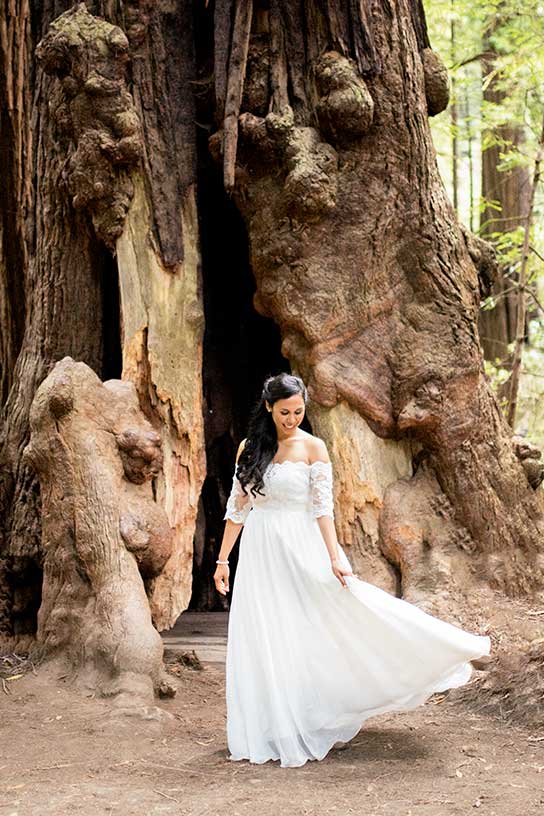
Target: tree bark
x=59 y=294
x=454 y=118
x=96 y=455
x=94 y=145
x=359 y=258
x=15 y=140
x=158 y=257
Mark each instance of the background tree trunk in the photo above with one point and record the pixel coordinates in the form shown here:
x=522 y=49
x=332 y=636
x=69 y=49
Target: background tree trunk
x=507 y=194
x=454 y=119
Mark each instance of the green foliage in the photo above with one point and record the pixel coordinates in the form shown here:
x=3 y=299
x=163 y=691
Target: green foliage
x=496 y=49
x=487 y=42
x=530 y=415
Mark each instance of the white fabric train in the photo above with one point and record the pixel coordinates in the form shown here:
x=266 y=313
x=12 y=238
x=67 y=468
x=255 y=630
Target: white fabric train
x=307 y=660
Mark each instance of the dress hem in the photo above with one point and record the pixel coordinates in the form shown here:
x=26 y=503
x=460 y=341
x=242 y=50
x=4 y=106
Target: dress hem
x=404 y=704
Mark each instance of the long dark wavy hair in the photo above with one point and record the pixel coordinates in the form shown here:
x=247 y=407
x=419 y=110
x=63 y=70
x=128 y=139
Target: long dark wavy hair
x=262 y=438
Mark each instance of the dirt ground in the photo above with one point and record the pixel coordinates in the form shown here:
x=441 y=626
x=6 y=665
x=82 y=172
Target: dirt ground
x=64 y=753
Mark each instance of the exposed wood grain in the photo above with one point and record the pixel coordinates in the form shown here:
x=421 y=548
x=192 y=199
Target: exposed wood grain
x=237 y=70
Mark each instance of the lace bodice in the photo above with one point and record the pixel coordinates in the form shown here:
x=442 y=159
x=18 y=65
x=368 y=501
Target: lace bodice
x=287 y=486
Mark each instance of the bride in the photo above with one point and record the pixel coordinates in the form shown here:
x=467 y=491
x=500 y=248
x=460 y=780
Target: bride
x=312 y=650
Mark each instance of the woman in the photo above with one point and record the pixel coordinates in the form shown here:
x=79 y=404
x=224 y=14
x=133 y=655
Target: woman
x=312 y=650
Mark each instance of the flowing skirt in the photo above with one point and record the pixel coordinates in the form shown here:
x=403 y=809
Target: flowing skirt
x=309 y=661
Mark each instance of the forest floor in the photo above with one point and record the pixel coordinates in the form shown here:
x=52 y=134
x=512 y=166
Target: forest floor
x=64 y=753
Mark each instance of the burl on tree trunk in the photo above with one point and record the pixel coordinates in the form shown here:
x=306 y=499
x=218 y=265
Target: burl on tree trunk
x=358 y=256
x=102 y=532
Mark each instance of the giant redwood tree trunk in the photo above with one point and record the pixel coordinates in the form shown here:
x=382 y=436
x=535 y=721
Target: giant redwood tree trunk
x=100 y=200
x=54 y=274
x=360 y=260
x=317 y=118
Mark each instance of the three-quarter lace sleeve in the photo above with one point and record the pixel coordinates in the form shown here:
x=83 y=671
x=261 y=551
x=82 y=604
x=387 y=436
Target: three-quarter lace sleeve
x=321 y=489
x=238 y=503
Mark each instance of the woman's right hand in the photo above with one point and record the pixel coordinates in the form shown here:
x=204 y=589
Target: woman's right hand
x=339 y=571
x=221 y=578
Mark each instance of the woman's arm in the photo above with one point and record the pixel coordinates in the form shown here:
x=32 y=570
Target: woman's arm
x=323 y=507
x=230 y=534
x=328 y=531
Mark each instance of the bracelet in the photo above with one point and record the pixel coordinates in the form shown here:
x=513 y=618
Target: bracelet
x=221 y=562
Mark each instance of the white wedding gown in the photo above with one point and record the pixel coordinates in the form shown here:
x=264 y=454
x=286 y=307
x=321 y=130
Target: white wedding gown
x=309 y=661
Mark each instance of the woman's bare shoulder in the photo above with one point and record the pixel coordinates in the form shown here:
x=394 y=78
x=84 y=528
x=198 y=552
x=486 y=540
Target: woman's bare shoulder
x=317 y=449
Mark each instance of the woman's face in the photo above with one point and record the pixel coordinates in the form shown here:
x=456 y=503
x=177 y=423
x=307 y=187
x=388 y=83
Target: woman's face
x=287 y=414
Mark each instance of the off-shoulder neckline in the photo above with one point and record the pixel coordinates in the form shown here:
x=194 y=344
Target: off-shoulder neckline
x=299 y=462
